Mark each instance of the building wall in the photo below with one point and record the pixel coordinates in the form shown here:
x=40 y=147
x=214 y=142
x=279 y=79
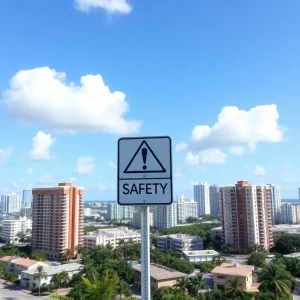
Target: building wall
x=275 y=201
x=119 y=212
x=165 y=216
x=290 y=213
x=214 y=199
x=10 y=203
x=202 y=197
x=185 y=209
x=57 y=219
x=246 y=215
x=223 y=280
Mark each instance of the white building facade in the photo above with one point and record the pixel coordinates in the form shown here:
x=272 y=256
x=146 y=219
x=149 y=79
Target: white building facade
x=11 y=228
x=179 y=243
x=165 y=216
x=186 y=208
x=119 y=212
x=111 y=236
x=10 y=203
x=275 y=199
x=202 y=197
x=136 y=219
x=214 y=199
x=290 y=213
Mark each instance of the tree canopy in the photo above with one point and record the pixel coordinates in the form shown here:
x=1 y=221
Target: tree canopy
x=287 y=244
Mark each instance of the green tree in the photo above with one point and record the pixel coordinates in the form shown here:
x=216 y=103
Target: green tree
x=182 y=284
x=39 y=275
x=275 y=279
x=123 y=288
x=68 y=253
x=235 y=287
x=256 y=248
x=196 y=283
x=162 y=293
x=38 y=256
x=287 y=244
x=60 y=278
x=60 y=297
x=257 y=259
x=104 y=289
x=293 y=266
x=219 y=259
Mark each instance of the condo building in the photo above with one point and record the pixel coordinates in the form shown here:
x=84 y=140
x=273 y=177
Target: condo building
x=57 y=219
x=202 y=197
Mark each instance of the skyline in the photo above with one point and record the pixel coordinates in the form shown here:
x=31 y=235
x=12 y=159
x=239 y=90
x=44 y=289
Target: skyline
x=221 y=80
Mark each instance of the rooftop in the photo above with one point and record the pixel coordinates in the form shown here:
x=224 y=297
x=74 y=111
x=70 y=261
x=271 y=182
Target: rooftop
x=159 y=272
x=233 y=269
x=25 y=262
x=295 y=254
x=201 y=253
x=285 y=227
x=9 y=258
x=57 y=269
x=179 y=236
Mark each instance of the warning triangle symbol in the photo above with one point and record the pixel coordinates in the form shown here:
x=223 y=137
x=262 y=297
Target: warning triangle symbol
x=144 y=160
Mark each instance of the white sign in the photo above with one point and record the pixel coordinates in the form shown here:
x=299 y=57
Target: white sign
x=145 y=171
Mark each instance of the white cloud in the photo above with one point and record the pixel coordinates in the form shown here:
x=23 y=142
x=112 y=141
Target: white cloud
x=235 y=127
x=181 y=147
x=112 y=165
x=101 y=187
x=43 y=96
x=110 y=6
x=209 y=156
x=213 y=156
x=41 y=145
x=259 y=170
x=5 y=153
x=85 y=165
x=236 y=150
x=191 y=159
x=29 y=171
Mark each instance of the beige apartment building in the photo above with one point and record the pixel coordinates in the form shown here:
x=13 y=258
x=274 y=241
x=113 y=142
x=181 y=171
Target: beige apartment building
x=226 y=272
x=160 y=276
x=57 y=219
x=246 y=215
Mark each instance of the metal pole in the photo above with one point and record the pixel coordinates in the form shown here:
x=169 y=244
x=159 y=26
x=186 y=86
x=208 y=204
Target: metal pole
x=145 y=259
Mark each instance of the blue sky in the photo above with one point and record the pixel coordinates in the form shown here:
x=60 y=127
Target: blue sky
x=74 y=78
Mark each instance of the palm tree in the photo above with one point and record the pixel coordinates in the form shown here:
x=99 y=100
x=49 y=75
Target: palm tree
x=236 y=287
x=123 y=288
x=196 y=283
x=80 y=249
x=293 y=266
x=67 y=254
x=39 y=275
x=104 y=289
x=182 y=284
x=219 y=259
x=256 y=248
x=275 y=279
x=60 y=297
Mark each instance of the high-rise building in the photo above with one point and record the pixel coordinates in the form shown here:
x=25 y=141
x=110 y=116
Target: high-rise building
x=246 y=215
x=299 y=192
x=186 y=208
x=136 y=219
x=214 y=199
x=11 y=228
x=57 y=219
x=275 y=203
x=165 y=216
x=290 y=213
x=27 y=198
x=10 y=203
x=201 y=196
x=119 y=212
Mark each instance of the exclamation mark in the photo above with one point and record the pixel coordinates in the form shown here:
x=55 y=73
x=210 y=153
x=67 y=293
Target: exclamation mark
x=144 y=154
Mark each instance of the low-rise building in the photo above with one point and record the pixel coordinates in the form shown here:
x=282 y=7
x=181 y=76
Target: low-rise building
x=28 y=281
x=201 y=255
x=18 y=264
x=293 y=255
x=10 y=228
x=111 y=236
x=226 y=272
x=179 y=243
x=280 y=230
x=186 y=208
x=160 y=276
x=217 y=233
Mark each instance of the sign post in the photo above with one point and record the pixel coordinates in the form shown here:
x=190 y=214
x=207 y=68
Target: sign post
x=145 y=178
